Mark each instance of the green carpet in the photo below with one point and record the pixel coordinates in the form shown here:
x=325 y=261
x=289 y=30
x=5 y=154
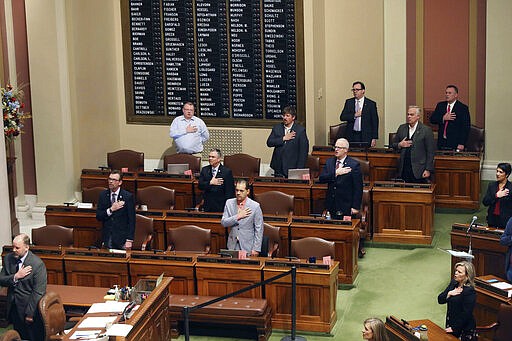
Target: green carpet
x=393 y=280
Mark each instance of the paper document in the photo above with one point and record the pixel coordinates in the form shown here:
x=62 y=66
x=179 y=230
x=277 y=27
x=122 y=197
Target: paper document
x=97 y=322
x=119 y=330
x=460 y=254
x=108 y=307
x=502 y=285
x=85 y=334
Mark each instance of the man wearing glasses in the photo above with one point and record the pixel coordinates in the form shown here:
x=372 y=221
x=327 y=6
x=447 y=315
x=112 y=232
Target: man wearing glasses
x=344 y=182
x=116 y=210
x=361 y=115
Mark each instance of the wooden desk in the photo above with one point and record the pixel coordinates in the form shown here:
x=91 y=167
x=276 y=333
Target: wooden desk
x=219 y=276
x=181 y=184
x=435 y=332
x=87 y=230
x=98 y=178
x=78 y=296
x=52 y=257
x=344 y=234
x=489 y=253
x=144 y=264
x=95 y=268
x=150 y=321
x=403 y=213
x=300 y=189
x=316 y=295
x=207 y=220
x=457 y=178
x=488 y=301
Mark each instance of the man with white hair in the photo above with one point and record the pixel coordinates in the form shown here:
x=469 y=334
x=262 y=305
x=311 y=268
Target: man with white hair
x=415 y=141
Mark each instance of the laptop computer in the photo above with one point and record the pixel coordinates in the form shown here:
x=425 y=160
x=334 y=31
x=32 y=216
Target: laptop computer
x=177 y=168
x=298 y=173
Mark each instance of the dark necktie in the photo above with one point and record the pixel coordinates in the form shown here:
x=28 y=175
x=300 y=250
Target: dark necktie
x=446 y=122
x=113 y=198
x=18 y=265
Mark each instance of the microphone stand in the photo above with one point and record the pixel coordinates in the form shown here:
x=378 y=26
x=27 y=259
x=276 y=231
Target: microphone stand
x=470 y=250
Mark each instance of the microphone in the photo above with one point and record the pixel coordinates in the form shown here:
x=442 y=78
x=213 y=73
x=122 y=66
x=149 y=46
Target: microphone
x=471 y=224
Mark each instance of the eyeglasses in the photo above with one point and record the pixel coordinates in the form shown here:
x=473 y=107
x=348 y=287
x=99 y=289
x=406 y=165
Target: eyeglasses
x=338 y=147
x=354 y=90
x=112 y=179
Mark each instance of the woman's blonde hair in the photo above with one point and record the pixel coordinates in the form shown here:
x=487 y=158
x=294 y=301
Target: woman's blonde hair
x=470 y=272
x=378 y=328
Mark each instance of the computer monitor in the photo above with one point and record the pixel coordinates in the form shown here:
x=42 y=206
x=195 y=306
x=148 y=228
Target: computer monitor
x=177 y=168
x=298 y=174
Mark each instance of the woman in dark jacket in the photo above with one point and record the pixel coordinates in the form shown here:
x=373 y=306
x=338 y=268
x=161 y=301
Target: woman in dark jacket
x=499 y=197
x=460 y=295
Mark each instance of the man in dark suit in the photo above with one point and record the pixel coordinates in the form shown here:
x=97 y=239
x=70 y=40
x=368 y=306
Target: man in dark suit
x=416 y=144
x=361 y=115
x=290 y=142
x=24 y=274
x=452 y=117
x=217 y=183
x=116 y=210
x=345 y=182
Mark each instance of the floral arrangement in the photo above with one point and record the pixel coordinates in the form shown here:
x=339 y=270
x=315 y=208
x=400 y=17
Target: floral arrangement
x=11 y=108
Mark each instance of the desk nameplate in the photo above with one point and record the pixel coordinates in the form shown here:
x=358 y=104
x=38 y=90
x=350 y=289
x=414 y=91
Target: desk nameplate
x=163 y=175
x=301 y=265
x=94 y=253
x=266 y=179
x=227 y=260
x=321 y=221
x=480 y=229
x=164 y=257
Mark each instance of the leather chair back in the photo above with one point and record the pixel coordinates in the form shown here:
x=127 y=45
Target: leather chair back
x=194 y=162
x=476 y=139
x=243 y=165
x=275 y=203
x=504 y=329
x=156 y=197
x=92 y=194
x=313 y=163
x=365 y=167
x=52 y=235
x=126 y=158
x=391 y=138
x=312 y=247
x=337 y=131
x=52 y=314
x=273 y=239
x=143 y=233
x=189 y=238
x=365 y=214
x=10 y=335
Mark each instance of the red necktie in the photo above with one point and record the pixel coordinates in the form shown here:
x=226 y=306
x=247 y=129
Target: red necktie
x=338 y=164
x=446 y=122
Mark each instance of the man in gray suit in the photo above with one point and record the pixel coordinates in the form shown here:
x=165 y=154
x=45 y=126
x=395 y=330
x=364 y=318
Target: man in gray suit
x=24 y=274
x=416 y=144
x=245 y=218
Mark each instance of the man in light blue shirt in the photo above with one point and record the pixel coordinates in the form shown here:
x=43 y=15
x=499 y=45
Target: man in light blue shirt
x=188 y=131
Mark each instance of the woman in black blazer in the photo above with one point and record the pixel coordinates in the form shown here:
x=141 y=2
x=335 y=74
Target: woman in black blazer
x=499 y=197
x=460 y=295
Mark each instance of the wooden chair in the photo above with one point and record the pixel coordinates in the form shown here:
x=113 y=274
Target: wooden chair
x=243 y=165
x=275 y=203
x=126 y=158
x=92 y=194
x=312 y=247
x=313 y=163
x=194 y=162
x=52 y=235
x=53 y=315
x=143 y=233
x=189 y=238
x=337 y=131
x=502 y=327
x=391 y=139
x=365 y=168
x=10 y=335
x=271 y=244
x=476 y=139
x=364 y=215
x=156 y=197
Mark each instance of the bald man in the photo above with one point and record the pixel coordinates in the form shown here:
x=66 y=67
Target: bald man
x=24 y=274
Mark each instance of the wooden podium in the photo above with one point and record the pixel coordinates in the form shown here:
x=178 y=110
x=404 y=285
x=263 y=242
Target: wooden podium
x=403 y=212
